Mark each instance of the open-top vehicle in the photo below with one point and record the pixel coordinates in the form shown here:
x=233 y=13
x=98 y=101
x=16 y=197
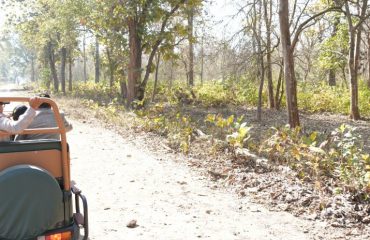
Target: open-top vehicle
x=37 y=199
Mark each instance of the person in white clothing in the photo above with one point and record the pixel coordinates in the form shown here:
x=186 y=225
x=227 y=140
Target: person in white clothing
x=11 y=126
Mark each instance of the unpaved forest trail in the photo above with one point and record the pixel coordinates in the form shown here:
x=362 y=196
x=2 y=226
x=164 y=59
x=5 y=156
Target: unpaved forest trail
x=169 y=201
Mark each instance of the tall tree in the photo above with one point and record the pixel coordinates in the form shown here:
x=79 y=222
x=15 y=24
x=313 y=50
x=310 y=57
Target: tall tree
x=257 y=37
x=355 y=31
x=191 y=11
x=84 y=57
x=97 y=60
x=49 y=27
x=63 y=64
x=139 y=19
x=70 y=75
x=52 y=60
x=267 y=7
x=288 y=43
x=156 y=76
x=368 y=59
x=289 y=74
x=331 y=72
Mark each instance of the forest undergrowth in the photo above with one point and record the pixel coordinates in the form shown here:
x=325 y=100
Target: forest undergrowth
x=320 y=171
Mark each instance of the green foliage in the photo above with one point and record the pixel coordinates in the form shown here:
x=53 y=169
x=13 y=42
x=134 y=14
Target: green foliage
x=319 y=97
x=334 y=50
x=216 y=94
x=222 y=126
x=234 y=131
x=45 y=78
x=239 y=137
x=352 y=161
x=158 y=27
x=312 y=97
x=98 y=92
x=363 y=99
x=319 y=157
x=213 y=95
x=178 y=128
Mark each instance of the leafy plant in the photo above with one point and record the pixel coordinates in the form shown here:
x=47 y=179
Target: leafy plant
x=178 y=128
x=234 y=131
x=239 y=137
x=316 y=157
x=352 y=162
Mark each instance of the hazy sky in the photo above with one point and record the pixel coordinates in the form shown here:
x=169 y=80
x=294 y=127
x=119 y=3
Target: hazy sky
x=223 y=12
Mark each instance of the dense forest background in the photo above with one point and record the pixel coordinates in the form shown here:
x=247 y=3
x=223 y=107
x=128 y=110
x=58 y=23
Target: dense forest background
x=265 y=48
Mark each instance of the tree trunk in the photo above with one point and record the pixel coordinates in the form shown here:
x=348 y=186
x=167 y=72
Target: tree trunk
x=191 y=46
x=354 y=56
x=223 y=62
x=368 y=60
x=97 y=61
x=260 y=90
x=331 y=73
x=123 y=87
x=156 y=76
x=202 y=61
x=171 y=75
x=257 y=25
x=33 y=77
x=289 y=75
x=186 y=72
x=70 y=71
x=63 y=69
x=279 y=85
x=134 y=66
x=52 y=67
x=84 y=56
x=268 y=11
x=111 y=68
x=332 y=78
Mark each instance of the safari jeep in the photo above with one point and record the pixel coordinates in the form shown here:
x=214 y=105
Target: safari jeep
x=37 y=199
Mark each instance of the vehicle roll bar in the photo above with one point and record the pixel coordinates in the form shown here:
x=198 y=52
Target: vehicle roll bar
x=60 y=129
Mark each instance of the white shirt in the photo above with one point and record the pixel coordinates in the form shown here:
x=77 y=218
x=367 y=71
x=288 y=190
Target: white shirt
x=8 y=125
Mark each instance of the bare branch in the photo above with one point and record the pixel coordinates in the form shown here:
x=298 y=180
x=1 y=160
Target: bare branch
x=299 y=17
x=302 y=26
x=159 y=41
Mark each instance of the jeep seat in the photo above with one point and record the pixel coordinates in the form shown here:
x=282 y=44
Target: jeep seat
x=31 y=202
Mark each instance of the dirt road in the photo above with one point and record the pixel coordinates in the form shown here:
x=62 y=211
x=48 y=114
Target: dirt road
x=168 y=200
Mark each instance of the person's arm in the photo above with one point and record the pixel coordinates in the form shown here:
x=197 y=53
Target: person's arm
x=15 y=127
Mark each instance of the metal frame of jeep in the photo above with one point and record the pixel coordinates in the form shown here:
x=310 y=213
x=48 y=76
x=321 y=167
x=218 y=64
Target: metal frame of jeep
x=53 y=157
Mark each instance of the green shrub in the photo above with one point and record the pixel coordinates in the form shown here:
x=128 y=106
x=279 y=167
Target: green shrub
x=317 y=157
x=178 y=128
x=323 y=98
x=100 y=92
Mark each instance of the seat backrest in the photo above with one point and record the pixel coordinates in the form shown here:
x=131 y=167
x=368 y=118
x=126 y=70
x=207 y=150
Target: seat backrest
x=45 y=154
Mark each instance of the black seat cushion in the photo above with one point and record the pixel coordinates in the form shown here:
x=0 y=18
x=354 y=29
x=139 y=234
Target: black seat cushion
x=29 y=145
